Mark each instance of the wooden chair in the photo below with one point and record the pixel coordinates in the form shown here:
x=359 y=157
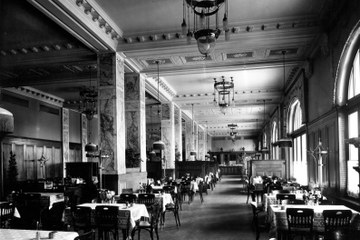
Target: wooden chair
x=127 y=197
x=86 y=236
x=52 y=220
x=257 y=209
x=151 y=225
x=82 y=219
x=107 y=219
x=169 y=189
x=174 y=208
x=300 y=222
x=6 y=214
x=148 y=199
x=127 y=190
x=337 y=224
x=285 y=197
x=30 y=210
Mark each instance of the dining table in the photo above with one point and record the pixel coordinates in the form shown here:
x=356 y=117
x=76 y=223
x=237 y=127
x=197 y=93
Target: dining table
x=276 y=217
x=22 y=234
x=270 y=199
x=128 y=214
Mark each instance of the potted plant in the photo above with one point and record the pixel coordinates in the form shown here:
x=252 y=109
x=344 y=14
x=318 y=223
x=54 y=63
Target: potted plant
x=12 y=172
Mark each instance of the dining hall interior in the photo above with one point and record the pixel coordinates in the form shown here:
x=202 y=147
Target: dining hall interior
x=190 y=119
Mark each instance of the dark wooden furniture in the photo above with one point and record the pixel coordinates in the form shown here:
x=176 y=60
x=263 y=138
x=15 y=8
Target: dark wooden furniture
x=151 y=225
x=127 y=198
x=106 y=219
x=6 y=214
x=337 y=224
x=300 y=222
x=82 y=219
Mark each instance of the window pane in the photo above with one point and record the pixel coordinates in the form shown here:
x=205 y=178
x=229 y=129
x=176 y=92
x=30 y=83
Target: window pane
x=352 y=175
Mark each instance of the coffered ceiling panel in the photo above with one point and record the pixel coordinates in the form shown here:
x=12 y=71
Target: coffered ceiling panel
x=40 y=47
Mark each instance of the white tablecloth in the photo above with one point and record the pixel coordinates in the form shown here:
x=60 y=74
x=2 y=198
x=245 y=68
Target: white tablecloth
x=278 y=221
x=19 y=234
x=136 y=211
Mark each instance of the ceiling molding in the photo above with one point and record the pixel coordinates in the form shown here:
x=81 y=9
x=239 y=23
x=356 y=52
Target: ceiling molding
x=83 y=21
x=38 y=95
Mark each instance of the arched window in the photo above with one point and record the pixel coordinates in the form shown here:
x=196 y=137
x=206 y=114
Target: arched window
x=353 y=117
x=298 y=155
x=347 y=98
x=274 y=139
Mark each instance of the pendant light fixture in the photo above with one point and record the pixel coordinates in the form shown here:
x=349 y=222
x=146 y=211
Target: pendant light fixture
x=283 y=141
x=152 y=152
x=160 y=145
x=204 y=13
x=264 y=147
x=192 y=152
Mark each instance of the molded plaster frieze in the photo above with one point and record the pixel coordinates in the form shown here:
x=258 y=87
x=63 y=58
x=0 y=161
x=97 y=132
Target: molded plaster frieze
x=264 y=25
x=38 y=95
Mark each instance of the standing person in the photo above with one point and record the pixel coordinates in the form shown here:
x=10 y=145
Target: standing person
x=201 y=189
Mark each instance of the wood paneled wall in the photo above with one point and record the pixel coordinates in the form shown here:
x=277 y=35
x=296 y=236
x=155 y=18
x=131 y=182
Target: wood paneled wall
x=28 y=152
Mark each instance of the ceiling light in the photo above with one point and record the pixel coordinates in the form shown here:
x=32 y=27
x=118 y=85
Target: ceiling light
x=284 y=141
x=203 y=11
x=160 y=145
x=223 y=90
x=88 y=99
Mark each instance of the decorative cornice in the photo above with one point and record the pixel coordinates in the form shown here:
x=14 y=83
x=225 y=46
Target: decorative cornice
x=38 y=95
x=37 y=49
x=85 y=20
x=238 y=28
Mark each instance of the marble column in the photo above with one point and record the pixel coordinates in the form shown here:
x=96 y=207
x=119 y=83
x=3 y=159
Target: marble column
x=178 y=133
x=202 y=144
x=196 y=139
x=65 y=138
x=112 y=117
x=168 y=137
x=188 y=138
x=135 y=116
x=84 y=136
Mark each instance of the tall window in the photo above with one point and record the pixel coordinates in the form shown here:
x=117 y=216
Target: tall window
x=353 y=127
x=298 y=155
x=274 y=139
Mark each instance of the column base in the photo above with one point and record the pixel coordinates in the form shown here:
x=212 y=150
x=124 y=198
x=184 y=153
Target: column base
x=117 y=182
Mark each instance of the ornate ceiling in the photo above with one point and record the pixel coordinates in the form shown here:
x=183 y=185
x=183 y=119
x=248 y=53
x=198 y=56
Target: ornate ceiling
x=49 y=45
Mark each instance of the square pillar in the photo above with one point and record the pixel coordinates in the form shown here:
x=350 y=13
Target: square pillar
x=168 y=137
x=65 y=122
x=178 y=133
x=135 y=116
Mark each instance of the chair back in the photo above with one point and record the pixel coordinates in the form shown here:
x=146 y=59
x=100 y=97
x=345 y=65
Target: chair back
x=285 y=196
x=86 y=236
x=155 y=215
x=169 y=189
x=82 y=218
x=6 y=214
x=300 y=218
x=127 y=197
x=337 y=219
x=106 y=216
x=146 y=198
x=127 y=190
